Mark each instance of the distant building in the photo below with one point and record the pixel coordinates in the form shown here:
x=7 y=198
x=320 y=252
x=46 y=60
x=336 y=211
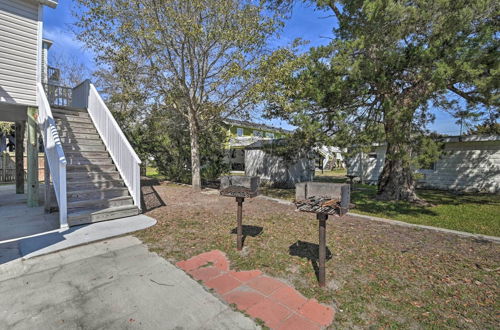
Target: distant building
x=330 y=158
x=274 y=170
x=468 y=163
x=243 y=133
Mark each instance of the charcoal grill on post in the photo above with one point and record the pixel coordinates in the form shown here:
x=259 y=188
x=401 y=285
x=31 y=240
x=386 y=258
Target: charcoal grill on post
x=240 y=187
x=323 y=199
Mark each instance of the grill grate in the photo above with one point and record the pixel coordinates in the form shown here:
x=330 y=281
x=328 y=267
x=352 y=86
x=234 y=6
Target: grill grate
x=238 y=191
x=319 y=204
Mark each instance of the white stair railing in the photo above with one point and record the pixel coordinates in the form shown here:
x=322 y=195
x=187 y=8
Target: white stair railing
x=54 y=153
x=124 y=156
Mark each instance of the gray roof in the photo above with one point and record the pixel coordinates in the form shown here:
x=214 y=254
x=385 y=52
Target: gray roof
x=249 y=124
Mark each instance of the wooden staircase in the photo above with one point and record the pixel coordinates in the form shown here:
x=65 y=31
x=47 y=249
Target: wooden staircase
x=95 y=189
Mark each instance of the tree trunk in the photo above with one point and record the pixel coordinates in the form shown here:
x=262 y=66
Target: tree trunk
x=396 y=180
x=195 y=151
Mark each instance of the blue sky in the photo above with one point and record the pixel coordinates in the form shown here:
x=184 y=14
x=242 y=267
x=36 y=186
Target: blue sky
x=305 y=22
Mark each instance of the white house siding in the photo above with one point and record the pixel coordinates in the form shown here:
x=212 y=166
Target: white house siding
x=466 y=166
x=275 y=170
x=19 y=45
x=470 y=165
x=371 y=167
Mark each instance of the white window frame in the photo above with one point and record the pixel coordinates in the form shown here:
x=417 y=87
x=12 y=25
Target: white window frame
x=239 y=131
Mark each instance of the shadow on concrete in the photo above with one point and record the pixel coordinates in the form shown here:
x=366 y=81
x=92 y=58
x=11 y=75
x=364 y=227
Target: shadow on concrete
x=57 y=240
x=308 y=251
x=249 y=230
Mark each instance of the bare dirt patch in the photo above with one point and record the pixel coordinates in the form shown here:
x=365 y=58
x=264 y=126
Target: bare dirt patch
x=379 y=274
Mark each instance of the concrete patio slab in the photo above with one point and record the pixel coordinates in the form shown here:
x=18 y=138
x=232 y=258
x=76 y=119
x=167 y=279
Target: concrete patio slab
x=18 y=220
x=56 y=240
x=112 y=284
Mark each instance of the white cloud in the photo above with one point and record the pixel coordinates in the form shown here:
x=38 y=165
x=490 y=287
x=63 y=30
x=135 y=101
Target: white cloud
x=63 y=38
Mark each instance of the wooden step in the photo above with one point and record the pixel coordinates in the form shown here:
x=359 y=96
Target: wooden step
x=84 y=118
x=82 y=147
x=91 y=176
x=103 y=193
x=68 y=140
x=73 y=125
x=93 y=136
x=76 y=130
x=90 y=185
x=87 y=154
x=104 y=203
x=69 y=110
x=90 y=168
x=88 y=161
x=84 y=216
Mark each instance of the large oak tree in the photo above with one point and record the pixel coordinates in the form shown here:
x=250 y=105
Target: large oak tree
x=197 y=57
x=389 y=62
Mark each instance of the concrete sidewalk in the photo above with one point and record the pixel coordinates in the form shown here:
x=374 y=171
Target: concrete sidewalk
x=112 y=284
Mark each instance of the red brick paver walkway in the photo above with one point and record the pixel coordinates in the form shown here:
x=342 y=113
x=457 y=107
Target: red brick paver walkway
x=274 y=302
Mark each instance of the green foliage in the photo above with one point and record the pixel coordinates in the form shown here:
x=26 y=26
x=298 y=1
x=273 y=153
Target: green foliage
x=166 y=140
x=388 y=63
x=199 y=58
x=429 y=149
x=6 y=128
x=486 y=129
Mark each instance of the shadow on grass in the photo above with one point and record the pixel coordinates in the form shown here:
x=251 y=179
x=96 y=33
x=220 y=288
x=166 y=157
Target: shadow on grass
x=248 y=230
x=150 y=199
x=309 y=251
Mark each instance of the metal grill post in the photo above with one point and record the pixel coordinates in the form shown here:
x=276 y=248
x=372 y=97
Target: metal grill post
x=322 y=247
x=239 y=229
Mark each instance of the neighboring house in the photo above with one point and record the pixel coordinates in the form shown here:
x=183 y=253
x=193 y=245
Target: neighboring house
x=249 y=149
x=468 y=163
x=93 y=170
x=242 y=134
x=330 y=158
x=274 y=170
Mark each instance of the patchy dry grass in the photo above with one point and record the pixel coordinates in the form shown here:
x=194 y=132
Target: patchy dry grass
x=378 y=275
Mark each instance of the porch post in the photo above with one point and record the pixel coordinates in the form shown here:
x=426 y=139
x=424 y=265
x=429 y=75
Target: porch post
x=32 y=154
x=47 y=193
x=20 y=157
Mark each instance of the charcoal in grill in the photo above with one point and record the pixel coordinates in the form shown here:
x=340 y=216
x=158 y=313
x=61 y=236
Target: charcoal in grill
x=319 y=204
x=238 y=191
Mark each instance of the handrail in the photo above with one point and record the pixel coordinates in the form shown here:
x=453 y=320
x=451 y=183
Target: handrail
x=54 y=153
x=58 y=95
x=124 y=156
x=53 y=74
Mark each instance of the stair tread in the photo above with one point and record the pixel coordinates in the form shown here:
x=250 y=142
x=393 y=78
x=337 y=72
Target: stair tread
x=98 y=210
x=98 y=181
x=84 y=191
x=60 y=107
x=97 y=201
x=92 y=172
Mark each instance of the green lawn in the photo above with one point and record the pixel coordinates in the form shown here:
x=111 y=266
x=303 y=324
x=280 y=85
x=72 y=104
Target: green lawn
x=474 y=213
x=378 y=276
x=152 y=172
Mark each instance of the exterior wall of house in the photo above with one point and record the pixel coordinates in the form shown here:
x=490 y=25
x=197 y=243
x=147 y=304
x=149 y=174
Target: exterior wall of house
x=20 y=42
x=367 y=165
x=466 y=166
x=470 y=165
x=275 y=171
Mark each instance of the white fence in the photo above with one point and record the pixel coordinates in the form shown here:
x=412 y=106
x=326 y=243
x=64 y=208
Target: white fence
x=54 y=153
x=124 y=156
